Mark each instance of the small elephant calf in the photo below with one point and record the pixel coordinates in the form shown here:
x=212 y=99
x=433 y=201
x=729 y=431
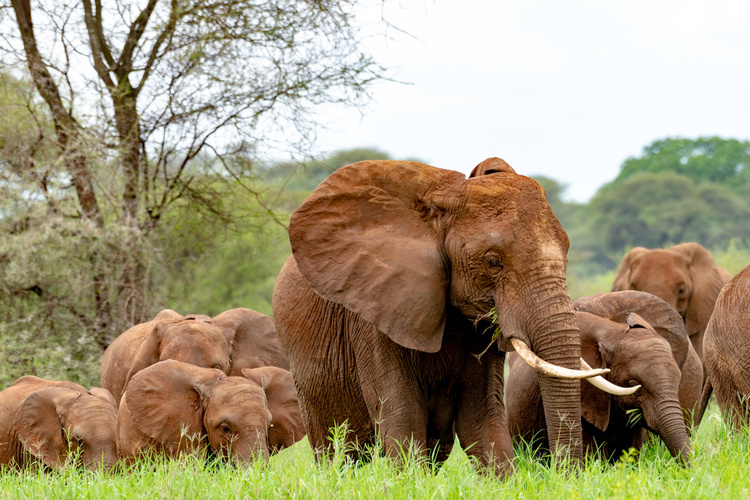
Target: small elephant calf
x=173 y=407
x=53 y=421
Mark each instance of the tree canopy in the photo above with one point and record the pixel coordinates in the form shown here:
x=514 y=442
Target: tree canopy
x=705 y=159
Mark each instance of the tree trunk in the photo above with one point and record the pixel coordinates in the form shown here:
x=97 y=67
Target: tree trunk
x=124 y=101
x=67 y=129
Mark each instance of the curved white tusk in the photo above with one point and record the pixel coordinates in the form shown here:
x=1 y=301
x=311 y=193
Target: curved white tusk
x=548 y=368
x=608 y=386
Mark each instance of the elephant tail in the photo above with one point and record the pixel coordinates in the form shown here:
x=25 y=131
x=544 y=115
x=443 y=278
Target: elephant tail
x=703 y=403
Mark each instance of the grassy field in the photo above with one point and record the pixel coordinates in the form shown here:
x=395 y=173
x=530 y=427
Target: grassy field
x=719 y=470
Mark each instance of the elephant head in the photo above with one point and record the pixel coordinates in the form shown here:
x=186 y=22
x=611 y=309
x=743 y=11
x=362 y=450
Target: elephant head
x=177 y=407
x=685 y=276
x=642 y=340
x=286 y=426
x=190 y=339
x=55 y=423
x=404 y=245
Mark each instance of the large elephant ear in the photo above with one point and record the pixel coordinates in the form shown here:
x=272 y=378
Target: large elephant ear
x=598 y=339
x=368 y=238
x=287 y=426
x=41 y=424
x=491 y=166
x=653 y=310
x=165 y=405
x=253 y=339
x=622 y=279
x=708 y=280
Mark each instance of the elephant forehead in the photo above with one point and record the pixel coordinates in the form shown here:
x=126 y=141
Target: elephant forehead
x=192 y=333
x=662 y=260
x=488 y=193
x=237 y=401
x=237 y=390
x=89 y=410
x=643 y=343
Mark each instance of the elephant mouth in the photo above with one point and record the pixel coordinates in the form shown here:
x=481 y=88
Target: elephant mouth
x=592 y=375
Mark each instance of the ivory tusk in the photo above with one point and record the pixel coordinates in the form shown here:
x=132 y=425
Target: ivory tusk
x=548 y=368
x=606 y=385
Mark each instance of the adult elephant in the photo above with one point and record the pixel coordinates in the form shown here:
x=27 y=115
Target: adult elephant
x=685 y=276
x=643 y=341
x=385 y=302
x=54 y=421
x=727 y=353
x=233 y=340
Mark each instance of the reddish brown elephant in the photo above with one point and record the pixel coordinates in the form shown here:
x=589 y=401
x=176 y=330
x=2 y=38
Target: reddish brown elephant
x=233 y=340
x=643 y=341
x=173 y=407
x=53 y=421
x=685 y=276
x=727 y=353
x=383 y=308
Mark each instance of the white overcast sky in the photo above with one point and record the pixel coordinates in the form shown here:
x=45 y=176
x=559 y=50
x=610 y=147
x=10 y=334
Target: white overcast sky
x=567 y=89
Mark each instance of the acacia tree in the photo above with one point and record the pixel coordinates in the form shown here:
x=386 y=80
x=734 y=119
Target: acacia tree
x=151 y=101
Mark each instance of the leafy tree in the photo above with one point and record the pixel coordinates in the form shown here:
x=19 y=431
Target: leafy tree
x=705 y=159
x=659 y=209
x=155 y=108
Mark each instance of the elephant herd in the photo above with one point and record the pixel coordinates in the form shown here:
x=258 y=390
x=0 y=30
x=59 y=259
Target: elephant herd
x=176 y=384
x=406 y=287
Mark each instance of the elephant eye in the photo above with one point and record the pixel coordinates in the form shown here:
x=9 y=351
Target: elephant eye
x=226 y=429
x=217 y=366
x=493 y=260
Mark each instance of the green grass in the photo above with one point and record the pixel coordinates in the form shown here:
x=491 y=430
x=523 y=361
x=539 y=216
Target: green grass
x=719 y=470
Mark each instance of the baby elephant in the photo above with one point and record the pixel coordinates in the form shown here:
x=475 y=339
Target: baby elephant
x=54 y=421
x=173 y=407
x=643 y=341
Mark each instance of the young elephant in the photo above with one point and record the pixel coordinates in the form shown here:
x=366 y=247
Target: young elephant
x=173 y=407
x=52 y=420
x=727 y=353
x=233 y=340
x=642 y=340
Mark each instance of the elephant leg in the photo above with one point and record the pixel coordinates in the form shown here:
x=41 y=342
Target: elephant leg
x=733 y=403
x=440 y=427
x=322 y=362
x=392 y=391
x=481 y=421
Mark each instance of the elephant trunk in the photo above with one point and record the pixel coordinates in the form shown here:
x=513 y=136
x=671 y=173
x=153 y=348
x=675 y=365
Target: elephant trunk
x=546 y=319
x=101 y=456
x=251 y=446
x=562 y=398
x=670 y=426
